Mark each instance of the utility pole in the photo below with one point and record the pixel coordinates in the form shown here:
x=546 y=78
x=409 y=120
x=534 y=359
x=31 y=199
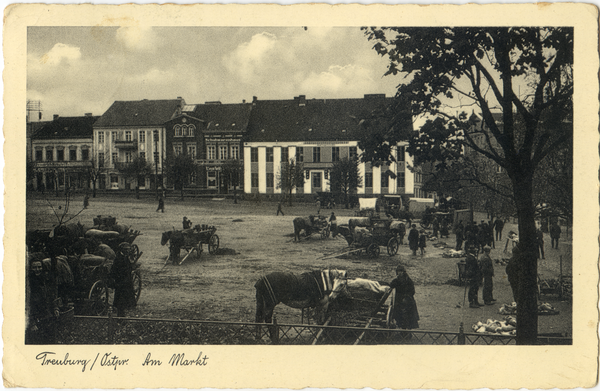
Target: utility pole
x=156 y=159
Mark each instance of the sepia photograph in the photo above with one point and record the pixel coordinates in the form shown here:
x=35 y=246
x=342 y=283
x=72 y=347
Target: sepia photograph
x=390 y=186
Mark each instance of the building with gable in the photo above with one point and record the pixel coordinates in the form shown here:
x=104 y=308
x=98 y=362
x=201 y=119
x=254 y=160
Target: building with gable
x=318 y=132
x=129 y=129
x=62 y=153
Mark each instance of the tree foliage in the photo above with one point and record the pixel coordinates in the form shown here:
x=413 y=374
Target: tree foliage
x=344 y=178
x=179 y=170
x=290 y=177
x=231 y=171
x=136 y=170
x=526 y=72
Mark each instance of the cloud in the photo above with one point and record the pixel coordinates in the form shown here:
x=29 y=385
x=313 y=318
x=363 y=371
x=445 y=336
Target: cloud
x=249 y=58
x=137 y=38
x=60 y=52
x=339 y=80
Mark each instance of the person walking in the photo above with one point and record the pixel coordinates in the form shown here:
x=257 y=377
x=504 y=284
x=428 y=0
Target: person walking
x=539 y=235
x=318 y=206
x=487 y=271
x=279 y=210
x=401 y=233
x=499 y=226
x=459 y=236
x=413 y=239
x=474 y=274
x=444 y=230
x=404 y=312
x=422 y=242
x=436 y=227
x=161 y=205
x=555 y=235
x=120 y=274
x=86 y=201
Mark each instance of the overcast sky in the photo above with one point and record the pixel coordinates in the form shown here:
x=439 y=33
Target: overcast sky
x=77 y=70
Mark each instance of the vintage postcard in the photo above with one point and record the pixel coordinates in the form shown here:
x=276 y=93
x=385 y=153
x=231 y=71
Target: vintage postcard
x=269 y=196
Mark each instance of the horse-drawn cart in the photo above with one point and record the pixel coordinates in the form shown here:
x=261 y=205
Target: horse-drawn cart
x=380 y=232
x=190 y=240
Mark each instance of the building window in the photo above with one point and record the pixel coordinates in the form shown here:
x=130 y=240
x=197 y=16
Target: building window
x=191 y=150
x=499 y=169
x=335 y=154
x=188 y=131
x=299 y=154
x=385 y=180
x=49 y=155
x=39 y=155
x=401 y=152
x=254 y=179
x=114 y=158
x=178 y=132
x=235 y=152
x=100 y=159
x=316 y=179
x=269 y=154
x=223 y=152
x=114 y=136
x=254 y=155
x=316 y=154
x=400 y=178
x=193 y=178
x=128 y=135
x=60 y=155
x=270 y=179
x=85 y=154
x=142 y=136
x=353 y=153
x=368 y=179
x=212 y=178
x=114 y=179
x=177 y=149
x=128 y=157
x=210 y=152
x=143 y=156
x=72 y=155
x=101 y=137
x=285 y=154
x=156 y=157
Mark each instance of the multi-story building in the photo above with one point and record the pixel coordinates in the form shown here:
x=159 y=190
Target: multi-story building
x=62 y=153
x=129 y=129
x=211 y=133
x=318 y=132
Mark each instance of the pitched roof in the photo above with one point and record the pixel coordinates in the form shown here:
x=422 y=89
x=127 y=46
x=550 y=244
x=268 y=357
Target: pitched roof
x=66 y=127
x=139 y=113
x=304 y=119
x=224 y=116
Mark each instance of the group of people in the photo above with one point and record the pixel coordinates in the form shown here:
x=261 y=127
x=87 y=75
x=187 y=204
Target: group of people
x=479 y=272
x=478 y=236
x=417 y=240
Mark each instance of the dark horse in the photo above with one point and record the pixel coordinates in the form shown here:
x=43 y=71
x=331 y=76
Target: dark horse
x=176 y=241
x=303 y=223
x=315 y=289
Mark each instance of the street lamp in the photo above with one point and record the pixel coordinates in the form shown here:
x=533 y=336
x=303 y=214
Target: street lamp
x=156 y=161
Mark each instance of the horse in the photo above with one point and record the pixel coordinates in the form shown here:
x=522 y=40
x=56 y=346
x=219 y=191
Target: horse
x=359 y=222
x=315 y=289
x=177 y=240
x=303 y=223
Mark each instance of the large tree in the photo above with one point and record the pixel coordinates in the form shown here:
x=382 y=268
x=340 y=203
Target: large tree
x=290 y=177
x=526 y=72
x=136 y=170
x=179 y=170
x=231 y=172
x=344 y=178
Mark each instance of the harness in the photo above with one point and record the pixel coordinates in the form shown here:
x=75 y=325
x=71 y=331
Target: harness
x=269 y=289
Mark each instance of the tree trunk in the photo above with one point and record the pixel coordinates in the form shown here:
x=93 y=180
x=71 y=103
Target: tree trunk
x=527 y=303
x=181 y=192
x=234 y=194
x=290 y=198
x=93 y=189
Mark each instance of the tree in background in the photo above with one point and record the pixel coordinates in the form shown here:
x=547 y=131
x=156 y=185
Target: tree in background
x=179 y=170
x=344 y=178
x=94 y=170
x=290 y=177
x=485 y=67
x=136 y=170
x=231 y=172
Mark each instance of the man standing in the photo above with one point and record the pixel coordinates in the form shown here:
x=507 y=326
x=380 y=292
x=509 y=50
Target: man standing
x=555 y=234
x=459 y=236
x=413 y=239
x=161 y=205
x=333 y=225
x=474 y=275
x=436 y=227
x=86 y=201
x=499 y=226
x=487 y=270
x=279 y=210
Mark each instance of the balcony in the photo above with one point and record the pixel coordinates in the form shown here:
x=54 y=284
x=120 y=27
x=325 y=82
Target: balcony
x=126 y=145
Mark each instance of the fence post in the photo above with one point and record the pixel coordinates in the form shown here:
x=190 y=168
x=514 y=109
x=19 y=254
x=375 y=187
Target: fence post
x=275 y=332
x=111 y=326
x=461 y=334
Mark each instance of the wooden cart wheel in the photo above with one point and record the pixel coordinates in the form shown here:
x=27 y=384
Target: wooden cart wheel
x=373 y=250
x=98 y=298
x=213 y=244
x=134 y=253
x=392 y=246
x=136 y=279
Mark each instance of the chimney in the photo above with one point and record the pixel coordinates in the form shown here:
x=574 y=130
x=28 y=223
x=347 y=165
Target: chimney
x=55 y=116
x=302 y=100
x=254 y=99
x=88 y=114
x=243 y=100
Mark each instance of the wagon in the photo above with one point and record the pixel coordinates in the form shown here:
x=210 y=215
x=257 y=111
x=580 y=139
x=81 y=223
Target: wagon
x=193 y=239
x=369 y=240
x=321 y=226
